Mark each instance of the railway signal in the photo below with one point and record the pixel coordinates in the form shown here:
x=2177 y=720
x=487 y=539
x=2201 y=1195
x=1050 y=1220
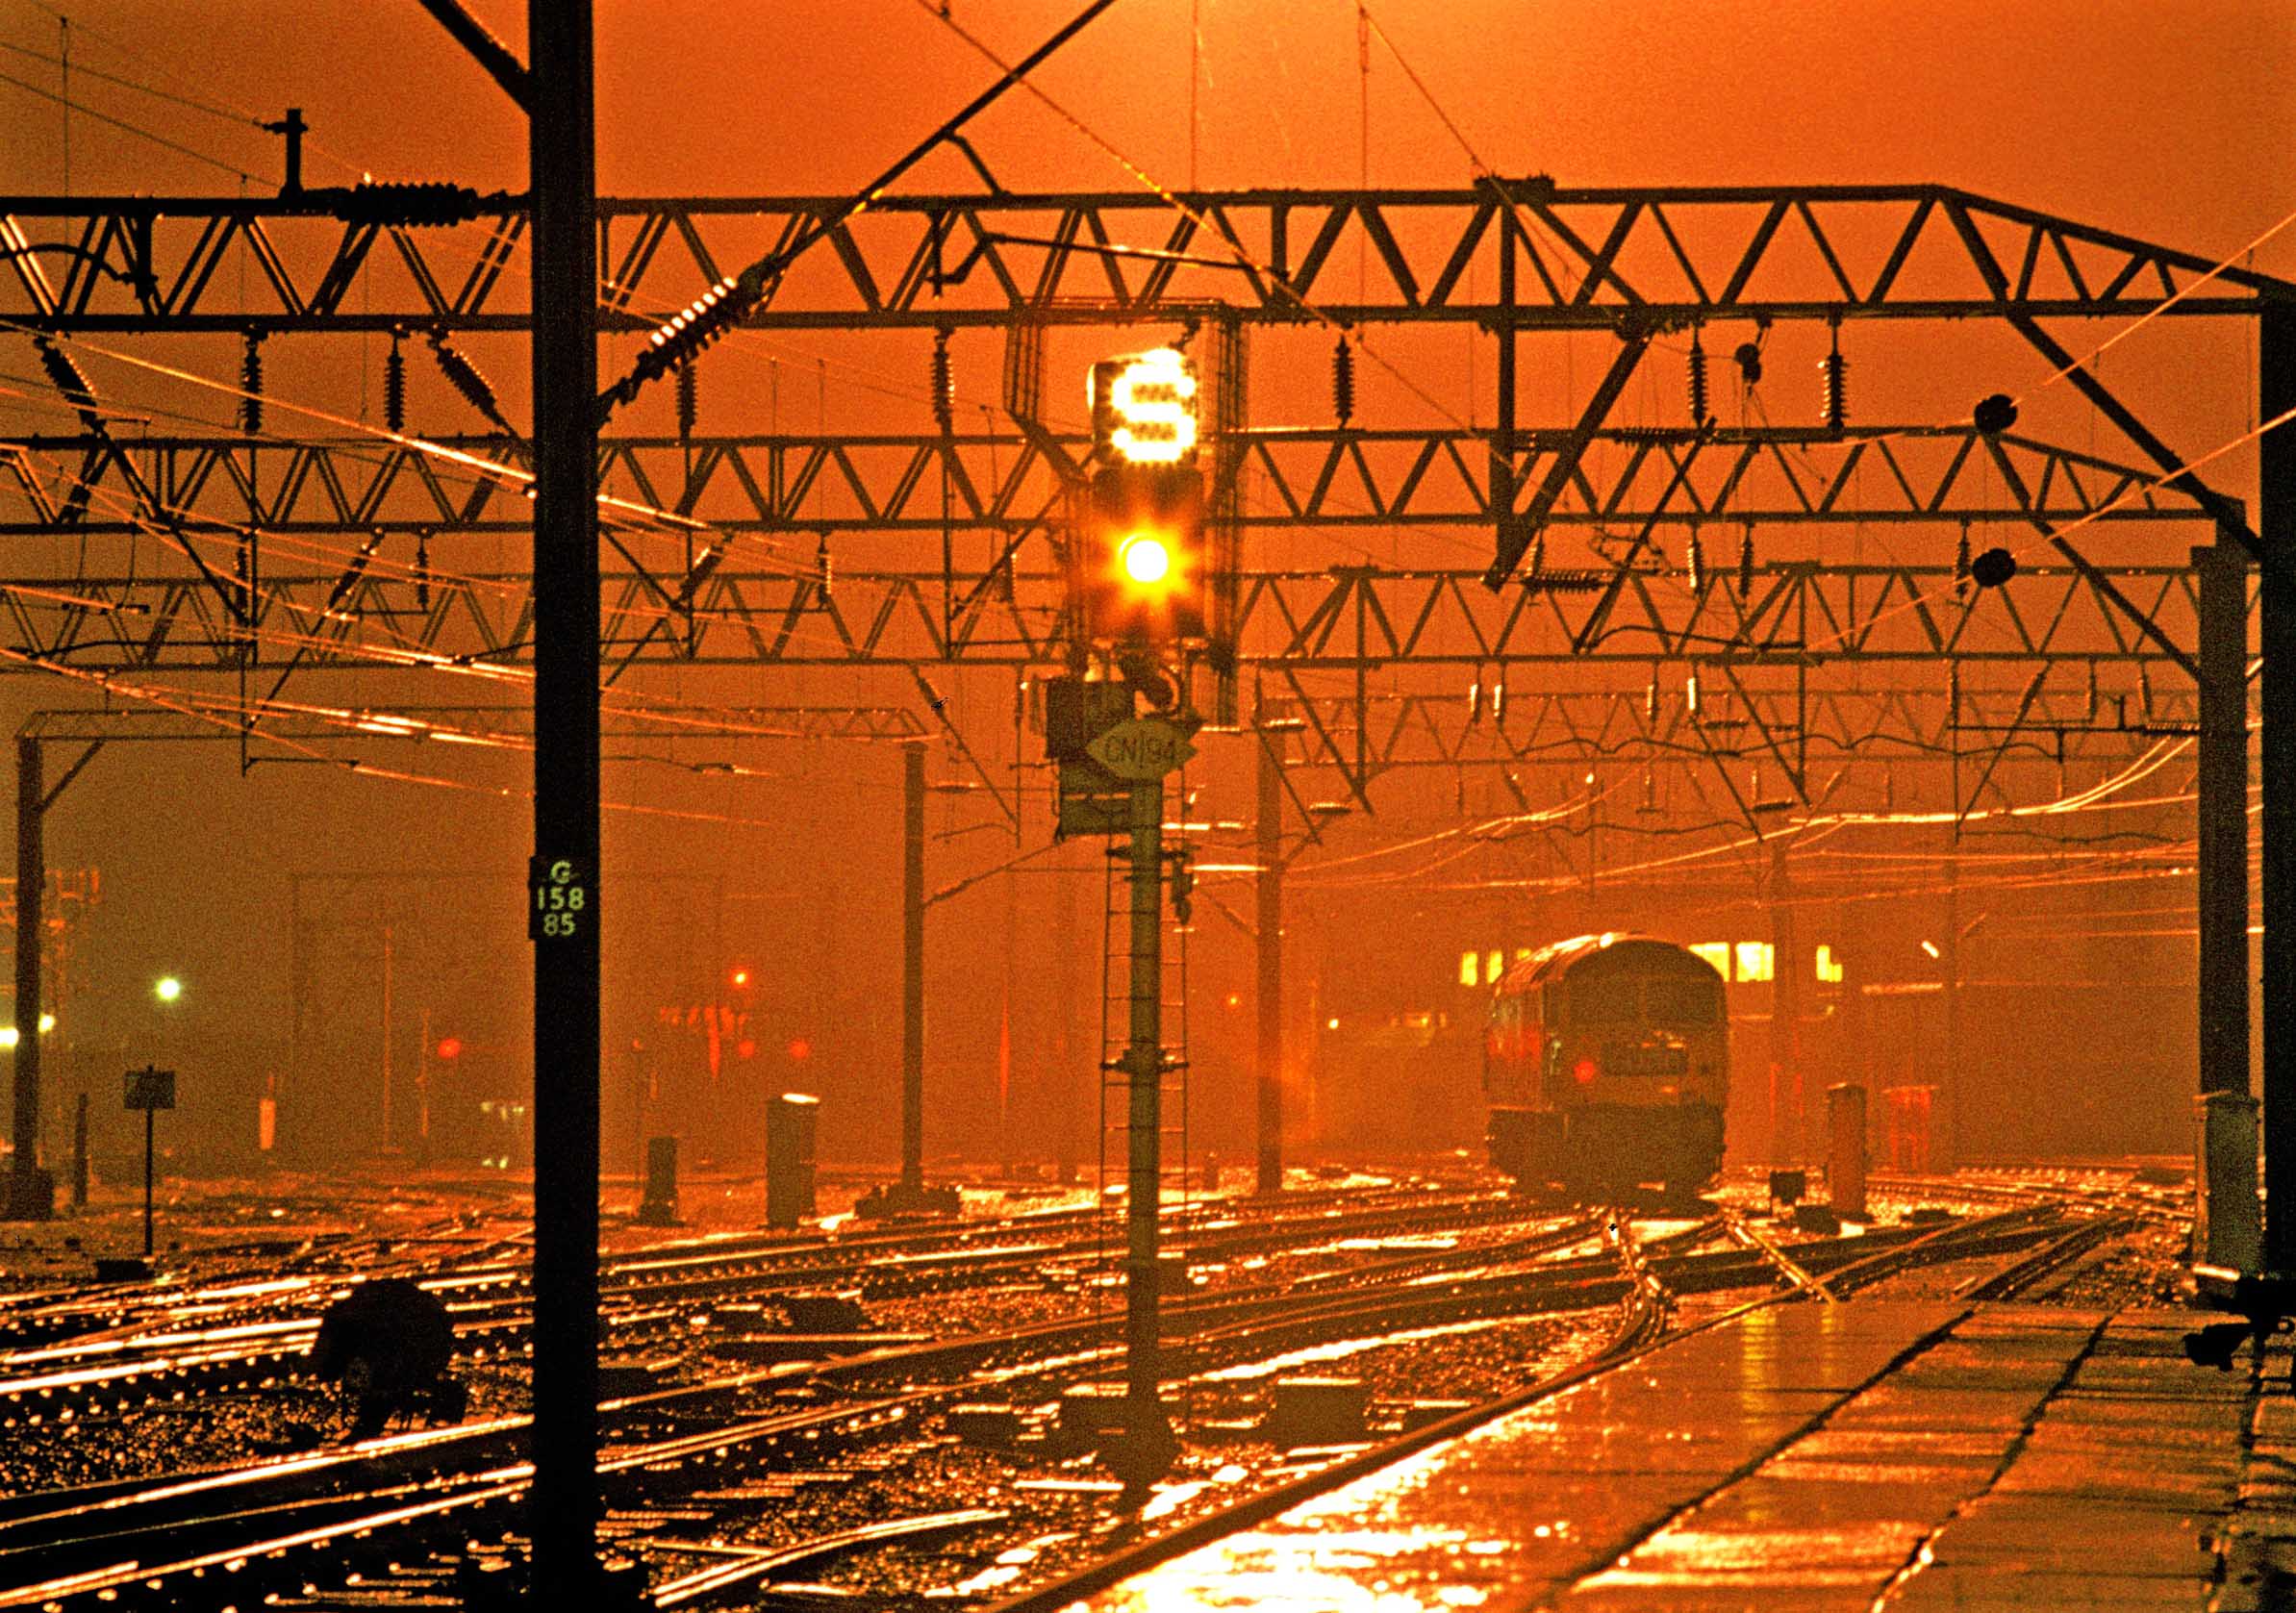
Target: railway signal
x=1143 y=574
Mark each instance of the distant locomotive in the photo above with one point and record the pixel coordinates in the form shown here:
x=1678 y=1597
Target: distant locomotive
x=1607 y=1063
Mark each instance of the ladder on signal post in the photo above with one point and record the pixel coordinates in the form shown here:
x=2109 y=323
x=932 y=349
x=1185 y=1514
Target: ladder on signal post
x=1116 y=1038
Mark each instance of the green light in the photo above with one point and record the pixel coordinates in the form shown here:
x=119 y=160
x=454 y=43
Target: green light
x=168 y=989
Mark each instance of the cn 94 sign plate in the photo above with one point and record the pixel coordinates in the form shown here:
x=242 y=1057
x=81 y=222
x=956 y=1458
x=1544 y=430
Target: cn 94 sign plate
x=562 y=898
x=1143 y=749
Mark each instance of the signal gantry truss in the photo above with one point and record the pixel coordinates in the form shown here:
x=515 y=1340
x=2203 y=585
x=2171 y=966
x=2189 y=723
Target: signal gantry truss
x=197 y=552
x=1586 y=256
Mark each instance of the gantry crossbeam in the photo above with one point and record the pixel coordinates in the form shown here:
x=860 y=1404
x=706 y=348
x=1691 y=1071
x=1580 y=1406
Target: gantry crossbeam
x=1531 y=722
x=895 y=482
x=1586 y=256
x=1345 y=619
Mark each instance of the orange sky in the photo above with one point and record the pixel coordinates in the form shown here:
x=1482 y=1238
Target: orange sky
x=2165 y=121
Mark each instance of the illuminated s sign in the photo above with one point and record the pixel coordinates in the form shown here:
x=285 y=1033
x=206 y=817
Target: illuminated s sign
x=1144 y=407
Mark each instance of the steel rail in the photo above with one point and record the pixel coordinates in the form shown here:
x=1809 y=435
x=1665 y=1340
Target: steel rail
x=1629 y=1343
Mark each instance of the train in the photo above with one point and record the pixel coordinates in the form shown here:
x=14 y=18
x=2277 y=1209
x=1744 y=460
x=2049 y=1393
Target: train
x=1606 y=1066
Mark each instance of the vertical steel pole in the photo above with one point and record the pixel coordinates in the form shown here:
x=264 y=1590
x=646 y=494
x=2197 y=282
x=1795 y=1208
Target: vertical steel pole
x=563 y=1511
x=1946 y=1154
x=148 y=1114
x=1267 y=887
x=1785 y=1017
x=79 y=1151
x=1144 y=1068
x=911 y=970
x=2275 y=396
x=1073 y=1089
x=1502 y=434
x=25 y=1200
x=386 y=1006
x=2223 y=816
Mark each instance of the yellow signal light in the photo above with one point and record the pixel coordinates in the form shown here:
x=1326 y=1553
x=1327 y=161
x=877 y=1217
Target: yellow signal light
x=1146 y=559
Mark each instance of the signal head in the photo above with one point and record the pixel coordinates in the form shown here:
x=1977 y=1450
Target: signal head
x=1144 y=566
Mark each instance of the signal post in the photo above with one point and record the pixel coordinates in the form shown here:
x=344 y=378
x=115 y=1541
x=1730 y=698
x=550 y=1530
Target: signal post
x=1139 y=582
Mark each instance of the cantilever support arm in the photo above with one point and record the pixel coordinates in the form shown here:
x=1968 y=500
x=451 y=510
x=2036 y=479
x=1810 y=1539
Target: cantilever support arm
x=2095 y=579
x=2008 y=735
x=492 y=53
x=1515 y=531
x=2227 y=511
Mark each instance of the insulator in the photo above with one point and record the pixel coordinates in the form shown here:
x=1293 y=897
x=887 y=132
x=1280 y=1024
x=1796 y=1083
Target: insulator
x=1650 y=789
x=681 y=338
x=251 y=383
x=1835 y=371
x=1961 y=565
x=1534 y=561
x=1745 y=564
x=824 y=569
x=2144 y=691
x=1474 y=702
x=2092 y=702
x=1700 y=411
x=416 y=202
x=1343 y=382
x=422 y=571
x=1690 y=692
x=1498 y=699
x=1650 y=697
x=1994 y=413
x=1577 y=579
x=464 y=376
x=1694 y=558
x=1952 y=694
x=394 y=387
x=945 y=391
x=68 y=378
x=688 y=402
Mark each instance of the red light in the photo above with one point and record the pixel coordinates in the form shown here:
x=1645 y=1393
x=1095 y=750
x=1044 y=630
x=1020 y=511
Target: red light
x=450 y=1048
x=1584 y=1072
x=740 y=977
x=800 y=1049
x=744 y=1048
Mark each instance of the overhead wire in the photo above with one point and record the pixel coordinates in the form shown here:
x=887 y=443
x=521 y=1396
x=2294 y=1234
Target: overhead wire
x=1195 y=215
x=242 y=118
x=164 y=700
x=405 y=650
x=84 y=110
x=2266 y=426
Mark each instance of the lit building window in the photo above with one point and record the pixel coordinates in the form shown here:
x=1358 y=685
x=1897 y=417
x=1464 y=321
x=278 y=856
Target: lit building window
x=1522 y=955
x=1471 y=968
x=1493 y=964
x=1830 y=966
x=1757 y=960
x=1717 y=953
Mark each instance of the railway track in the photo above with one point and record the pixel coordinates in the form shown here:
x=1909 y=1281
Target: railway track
x=442 y=1505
